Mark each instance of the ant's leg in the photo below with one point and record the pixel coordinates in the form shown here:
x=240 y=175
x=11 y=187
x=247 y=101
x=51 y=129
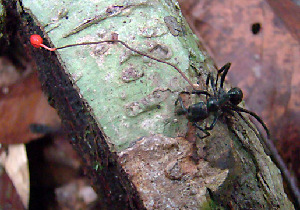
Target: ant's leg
x=239 y=109
x=211 y=79
x=216 y=117
x=197 y=92
x=217 y=80
x=182 y=106
x=201 y=92
x=224 y=69
x=203 y=130
x=183 y=92
x=218 y=74
x=207 y=82
x=220 y=71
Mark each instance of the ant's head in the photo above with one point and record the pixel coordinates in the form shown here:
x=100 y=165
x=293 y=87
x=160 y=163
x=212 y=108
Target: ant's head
x=212 y=104
x=236 y=95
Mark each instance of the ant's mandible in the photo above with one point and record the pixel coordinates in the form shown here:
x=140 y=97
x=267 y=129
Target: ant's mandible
x=217 y=104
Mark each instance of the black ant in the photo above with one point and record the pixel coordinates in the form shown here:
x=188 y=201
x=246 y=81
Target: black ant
x=218 y=103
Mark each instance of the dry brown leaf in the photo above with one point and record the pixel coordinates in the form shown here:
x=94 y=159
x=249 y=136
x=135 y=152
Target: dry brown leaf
x=21 y=105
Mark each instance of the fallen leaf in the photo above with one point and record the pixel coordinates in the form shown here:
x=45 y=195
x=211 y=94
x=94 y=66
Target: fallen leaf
x=21 y=105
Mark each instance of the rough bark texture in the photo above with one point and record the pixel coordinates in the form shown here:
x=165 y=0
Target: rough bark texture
x=119 y=108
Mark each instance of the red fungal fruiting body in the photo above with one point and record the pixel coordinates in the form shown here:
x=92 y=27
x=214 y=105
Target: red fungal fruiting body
x=37 y=41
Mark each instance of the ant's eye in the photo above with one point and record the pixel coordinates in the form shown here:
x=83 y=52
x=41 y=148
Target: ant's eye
x=212 y=105
x=236 y=95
